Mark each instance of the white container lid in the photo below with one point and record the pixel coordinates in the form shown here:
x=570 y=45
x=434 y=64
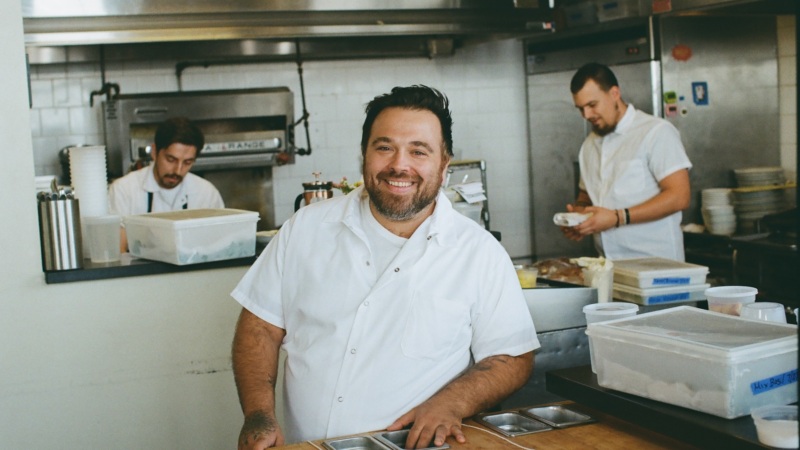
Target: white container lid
x=642 y=267
x=610 y=308
x=694 y=332
x=657 y=272
x=189 y=218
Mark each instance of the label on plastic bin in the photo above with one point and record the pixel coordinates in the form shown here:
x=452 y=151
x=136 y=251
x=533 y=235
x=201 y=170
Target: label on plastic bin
x=773 y=382
x=669 y=298
x=664 y=281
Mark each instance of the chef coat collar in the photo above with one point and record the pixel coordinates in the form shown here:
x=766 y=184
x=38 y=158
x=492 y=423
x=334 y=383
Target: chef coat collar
x=627 y=120
x=441 y=227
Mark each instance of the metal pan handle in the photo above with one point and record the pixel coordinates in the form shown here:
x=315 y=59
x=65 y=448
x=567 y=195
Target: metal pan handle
x=150 y=110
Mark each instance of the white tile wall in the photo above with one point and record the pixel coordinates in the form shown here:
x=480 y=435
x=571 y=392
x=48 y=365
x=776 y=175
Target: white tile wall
x=485 y=83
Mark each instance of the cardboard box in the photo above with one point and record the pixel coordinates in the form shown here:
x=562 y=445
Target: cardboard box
x=701 y=360
x=192 y=236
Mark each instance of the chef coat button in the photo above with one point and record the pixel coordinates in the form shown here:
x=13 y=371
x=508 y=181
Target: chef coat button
x=366 y=303
x=353 y=351
x=341 y=399
x=367 y=263
x=430 y=237
x=397 y=269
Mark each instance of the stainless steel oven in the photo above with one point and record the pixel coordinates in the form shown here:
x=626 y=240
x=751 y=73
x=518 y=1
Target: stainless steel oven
x=247 y=133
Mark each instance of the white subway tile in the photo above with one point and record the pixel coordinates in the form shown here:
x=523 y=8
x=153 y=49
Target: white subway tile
x=42 y=93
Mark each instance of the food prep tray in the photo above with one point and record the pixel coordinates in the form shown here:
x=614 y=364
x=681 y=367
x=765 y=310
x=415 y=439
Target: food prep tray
x=558 y=416
x=396 y=440
x=512 y=424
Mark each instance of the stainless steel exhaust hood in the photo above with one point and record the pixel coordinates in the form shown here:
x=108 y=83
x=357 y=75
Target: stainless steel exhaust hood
x=427 y=26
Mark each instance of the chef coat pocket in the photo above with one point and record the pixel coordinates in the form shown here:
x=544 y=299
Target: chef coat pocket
x=632 y=179
x=434 y=327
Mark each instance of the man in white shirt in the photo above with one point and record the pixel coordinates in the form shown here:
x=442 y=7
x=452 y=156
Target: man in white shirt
x=394 y=309
x=634 y=174
x=166 y=184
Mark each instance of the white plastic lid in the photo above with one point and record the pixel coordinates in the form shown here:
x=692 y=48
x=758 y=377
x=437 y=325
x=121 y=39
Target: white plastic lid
x=101 y=220
x=730 y=293
x=610 y=308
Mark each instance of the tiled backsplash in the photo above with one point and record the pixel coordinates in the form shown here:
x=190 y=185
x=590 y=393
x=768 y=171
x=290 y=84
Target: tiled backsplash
x=485 y=84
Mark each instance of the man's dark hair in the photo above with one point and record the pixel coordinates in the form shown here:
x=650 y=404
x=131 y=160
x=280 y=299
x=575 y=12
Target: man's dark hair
x=598 y=73
x=417 y=97
x=180 y=130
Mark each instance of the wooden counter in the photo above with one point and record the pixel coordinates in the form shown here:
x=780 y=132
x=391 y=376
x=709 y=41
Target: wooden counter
x=608 y=432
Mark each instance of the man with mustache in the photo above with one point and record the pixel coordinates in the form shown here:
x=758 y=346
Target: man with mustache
x=393 y=309
x=634 y=174
x=166 y=184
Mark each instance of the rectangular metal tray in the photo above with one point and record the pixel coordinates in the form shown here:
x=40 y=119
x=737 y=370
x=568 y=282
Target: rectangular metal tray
x=353 y=443
x=396 y=440
x=558 y=416
x=512 y=423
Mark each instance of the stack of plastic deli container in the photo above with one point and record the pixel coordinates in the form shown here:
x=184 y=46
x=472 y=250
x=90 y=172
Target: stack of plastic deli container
x=659 y=281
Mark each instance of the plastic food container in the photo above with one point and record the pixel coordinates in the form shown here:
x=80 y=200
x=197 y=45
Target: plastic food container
x=777 y=425
x=646 y=273
x=601 y=312
x=702 y=360
x=662 y=295
x=193 y=235
x=527 y=275
x=730 y=299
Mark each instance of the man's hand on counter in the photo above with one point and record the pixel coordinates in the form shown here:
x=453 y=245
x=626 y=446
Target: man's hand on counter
x=260 y=431
x=433 y=422
x=480 y=387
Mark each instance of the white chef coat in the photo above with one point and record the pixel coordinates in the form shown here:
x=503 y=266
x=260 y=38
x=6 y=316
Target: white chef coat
x=623 y=169
x=364 y=347
x=128 y=195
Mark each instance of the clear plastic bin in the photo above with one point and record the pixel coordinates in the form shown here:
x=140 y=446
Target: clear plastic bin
x=701 y=360
x=192 y=236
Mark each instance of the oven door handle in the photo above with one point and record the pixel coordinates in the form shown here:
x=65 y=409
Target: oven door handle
x=150 y=110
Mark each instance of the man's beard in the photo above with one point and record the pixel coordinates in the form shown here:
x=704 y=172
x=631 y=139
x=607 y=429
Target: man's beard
x=398 y=208
x=602 y=131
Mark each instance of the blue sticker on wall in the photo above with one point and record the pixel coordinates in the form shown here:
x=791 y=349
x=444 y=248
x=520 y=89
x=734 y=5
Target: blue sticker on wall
x=700 y=92
x=773 y=382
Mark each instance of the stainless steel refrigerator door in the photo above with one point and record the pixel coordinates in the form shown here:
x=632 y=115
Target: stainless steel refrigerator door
x=556 y=131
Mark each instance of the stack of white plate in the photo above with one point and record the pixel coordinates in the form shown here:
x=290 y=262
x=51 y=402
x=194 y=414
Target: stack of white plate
x=752 y=205
x=87 y=170
x=718 y=212
x=759 y=176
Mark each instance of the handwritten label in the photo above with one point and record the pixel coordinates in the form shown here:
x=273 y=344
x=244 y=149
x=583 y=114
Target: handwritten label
x=773 y=382
x=668 y=298
x=670 y=280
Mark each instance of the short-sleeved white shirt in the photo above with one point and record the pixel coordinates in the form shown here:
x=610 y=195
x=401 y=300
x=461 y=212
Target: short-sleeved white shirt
x=128 y=195
x=623 y=169
x=364 y=347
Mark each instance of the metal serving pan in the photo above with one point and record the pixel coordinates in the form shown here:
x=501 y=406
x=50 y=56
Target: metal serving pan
x=558 y=416
x=512 y=423
x=353 y=443
x=396 y=440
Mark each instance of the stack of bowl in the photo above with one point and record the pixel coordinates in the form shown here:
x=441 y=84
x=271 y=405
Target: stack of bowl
x=718 y=212
x=760 y=194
